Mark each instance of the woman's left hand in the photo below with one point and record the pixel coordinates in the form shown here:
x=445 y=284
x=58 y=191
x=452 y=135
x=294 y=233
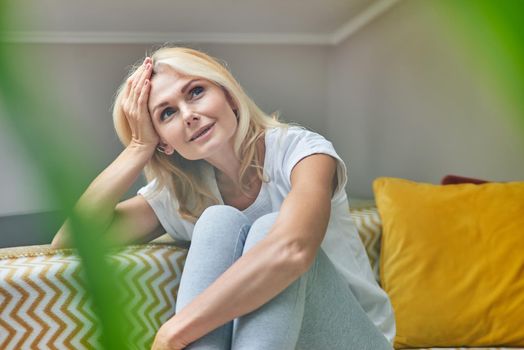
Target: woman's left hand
x=166 y=340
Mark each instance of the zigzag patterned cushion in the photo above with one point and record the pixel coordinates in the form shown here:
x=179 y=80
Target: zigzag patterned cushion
x=44 y=305
x=369 y=229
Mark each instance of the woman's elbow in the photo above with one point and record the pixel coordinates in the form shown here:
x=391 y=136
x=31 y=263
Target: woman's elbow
x=296 y=257
x=55 y=244
x=60 y=242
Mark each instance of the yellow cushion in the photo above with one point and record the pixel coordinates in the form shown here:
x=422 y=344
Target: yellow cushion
x=452 y=262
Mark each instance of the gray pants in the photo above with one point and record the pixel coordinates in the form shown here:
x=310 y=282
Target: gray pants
x=317 y=311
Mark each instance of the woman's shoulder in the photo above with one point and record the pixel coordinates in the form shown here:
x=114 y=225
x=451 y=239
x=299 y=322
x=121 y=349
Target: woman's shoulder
x=155 y=190
x=292 y=135
x=288 y=131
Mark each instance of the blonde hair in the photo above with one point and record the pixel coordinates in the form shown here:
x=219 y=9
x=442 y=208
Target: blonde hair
x=185 y=178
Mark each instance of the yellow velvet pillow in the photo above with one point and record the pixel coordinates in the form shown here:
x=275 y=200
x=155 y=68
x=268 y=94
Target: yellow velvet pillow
x=452 y=262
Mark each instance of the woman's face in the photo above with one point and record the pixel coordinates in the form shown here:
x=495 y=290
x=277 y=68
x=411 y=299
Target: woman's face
x=192 y=116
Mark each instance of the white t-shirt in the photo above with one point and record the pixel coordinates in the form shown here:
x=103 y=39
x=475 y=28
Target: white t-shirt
x=342 y=244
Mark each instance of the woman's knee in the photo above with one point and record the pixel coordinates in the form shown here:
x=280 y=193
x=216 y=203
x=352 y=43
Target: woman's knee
x=220 y=210
x=219 y=221
x=265 y=222
x=260 y=229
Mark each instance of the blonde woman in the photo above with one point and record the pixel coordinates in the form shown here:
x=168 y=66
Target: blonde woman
x=275 y=261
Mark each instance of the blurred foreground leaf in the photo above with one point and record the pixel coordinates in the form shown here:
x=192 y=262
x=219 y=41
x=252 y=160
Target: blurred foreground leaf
x=46 y=133
x=491 y=33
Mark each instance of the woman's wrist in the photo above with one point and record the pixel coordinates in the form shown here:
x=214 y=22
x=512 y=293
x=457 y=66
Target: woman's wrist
x=147 y=148
x=140 y=152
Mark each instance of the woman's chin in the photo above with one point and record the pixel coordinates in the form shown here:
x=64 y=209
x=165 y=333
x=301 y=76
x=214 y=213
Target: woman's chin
x=203 y=152
x=214 y=145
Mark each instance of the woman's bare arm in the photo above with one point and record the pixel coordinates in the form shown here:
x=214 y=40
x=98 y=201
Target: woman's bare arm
x=272 y=264
x=101 y=197
x=134 y=222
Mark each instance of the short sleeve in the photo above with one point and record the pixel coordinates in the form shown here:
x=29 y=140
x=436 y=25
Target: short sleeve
x=148 y=190
x=166 y=210
x=300 y=143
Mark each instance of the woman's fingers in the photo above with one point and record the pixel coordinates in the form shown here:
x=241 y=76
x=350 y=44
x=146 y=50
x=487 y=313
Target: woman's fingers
x=134 y=87
x=144 y=68
x=144 y=94
x=134 y=105
x=146 y=73
x=132 y=80
x=145 y=130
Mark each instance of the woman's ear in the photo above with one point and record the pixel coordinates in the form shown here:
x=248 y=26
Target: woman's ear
x=165 y=148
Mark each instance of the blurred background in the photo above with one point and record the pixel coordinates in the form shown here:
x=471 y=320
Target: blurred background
x=407 y=88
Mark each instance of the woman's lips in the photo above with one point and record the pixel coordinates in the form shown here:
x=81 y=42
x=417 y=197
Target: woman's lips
x=204 y=134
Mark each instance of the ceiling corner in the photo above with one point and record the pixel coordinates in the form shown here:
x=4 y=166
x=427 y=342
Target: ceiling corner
x=356 y=23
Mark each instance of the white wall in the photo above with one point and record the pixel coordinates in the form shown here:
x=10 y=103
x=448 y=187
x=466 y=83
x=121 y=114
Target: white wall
x=395 y=99
x=290 y=79
x=403 y=102
x=19 y=187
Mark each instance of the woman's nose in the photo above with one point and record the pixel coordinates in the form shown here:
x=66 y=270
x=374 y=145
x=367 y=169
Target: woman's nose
x=188 y=116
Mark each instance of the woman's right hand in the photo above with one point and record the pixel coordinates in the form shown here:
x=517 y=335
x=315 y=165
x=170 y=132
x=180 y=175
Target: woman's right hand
x=134 y=106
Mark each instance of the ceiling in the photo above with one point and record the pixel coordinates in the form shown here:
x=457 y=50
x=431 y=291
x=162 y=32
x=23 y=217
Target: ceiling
x=299 y=21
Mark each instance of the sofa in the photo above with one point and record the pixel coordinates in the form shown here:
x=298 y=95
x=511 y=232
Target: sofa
x=44 y=304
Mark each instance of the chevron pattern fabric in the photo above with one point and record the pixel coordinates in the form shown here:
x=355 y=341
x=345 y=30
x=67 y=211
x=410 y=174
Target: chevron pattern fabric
x=369 y=226
x=44 y=305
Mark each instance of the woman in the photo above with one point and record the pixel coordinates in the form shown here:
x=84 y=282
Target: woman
x=275 y=261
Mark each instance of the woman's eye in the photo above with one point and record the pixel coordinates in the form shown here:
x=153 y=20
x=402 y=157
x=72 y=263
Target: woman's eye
x=197 y=90
x=166 y=113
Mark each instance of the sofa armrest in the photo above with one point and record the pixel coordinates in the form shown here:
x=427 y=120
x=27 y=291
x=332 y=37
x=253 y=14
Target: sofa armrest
x=44 y=304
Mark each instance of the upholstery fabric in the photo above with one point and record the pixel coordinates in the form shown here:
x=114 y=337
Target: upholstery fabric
x=369 y=228
x=44 y=305
x=452 y=263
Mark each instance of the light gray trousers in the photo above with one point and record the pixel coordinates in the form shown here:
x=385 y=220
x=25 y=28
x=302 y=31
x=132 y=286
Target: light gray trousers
x=317 y=311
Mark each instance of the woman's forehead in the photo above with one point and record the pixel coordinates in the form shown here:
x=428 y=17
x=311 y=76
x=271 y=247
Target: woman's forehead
x=165 y=70
x=167 y=77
